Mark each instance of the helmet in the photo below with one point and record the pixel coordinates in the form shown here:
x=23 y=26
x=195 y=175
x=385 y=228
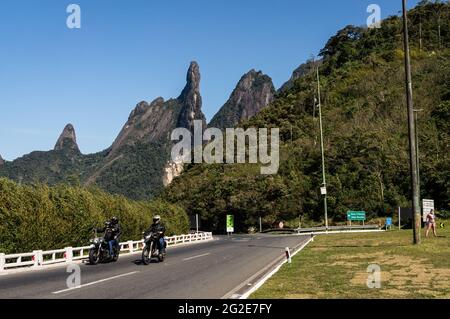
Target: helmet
x=156 y=219
x=114 y=220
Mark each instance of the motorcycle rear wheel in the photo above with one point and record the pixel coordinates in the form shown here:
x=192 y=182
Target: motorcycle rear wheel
x=116 y=255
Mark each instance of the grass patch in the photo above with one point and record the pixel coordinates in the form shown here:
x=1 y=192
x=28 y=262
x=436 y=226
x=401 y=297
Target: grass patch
x=335 y=266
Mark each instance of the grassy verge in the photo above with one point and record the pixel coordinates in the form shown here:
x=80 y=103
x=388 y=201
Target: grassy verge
x=335 y=266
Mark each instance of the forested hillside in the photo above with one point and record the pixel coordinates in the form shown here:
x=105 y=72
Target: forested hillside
x=42 y=217
x=365 y=133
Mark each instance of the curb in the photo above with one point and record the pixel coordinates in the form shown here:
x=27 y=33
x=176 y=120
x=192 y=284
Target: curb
x=273 y=272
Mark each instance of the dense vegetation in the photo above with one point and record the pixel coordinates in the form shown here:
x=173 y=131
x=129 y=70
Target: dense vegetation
x=365 y=129
x=42 y=217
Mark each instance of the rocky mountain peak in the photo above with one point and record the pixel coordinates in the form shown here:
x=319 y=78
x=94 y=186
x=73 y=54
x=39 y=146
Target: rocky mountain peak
x=254 y=91
x=192 y=81
x=304 y=69
x=142 y=107
x=67 y=140
x=191 y=99
x=2 y=161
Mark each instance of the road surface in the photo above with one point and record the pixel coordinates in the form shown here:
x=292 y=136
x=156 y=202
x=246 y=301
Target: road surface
x=208 y=270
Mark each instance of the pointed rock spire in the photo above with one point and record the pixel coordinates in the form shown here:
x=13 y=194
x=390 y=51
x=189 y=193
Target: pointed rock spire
x=67 y=140
x=191 y=99
x=2 y=161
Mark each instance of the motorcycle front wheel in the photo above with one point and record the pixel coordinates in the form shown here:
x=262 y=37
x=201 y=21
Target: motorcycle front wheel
x=146 y=257
x=93 y=256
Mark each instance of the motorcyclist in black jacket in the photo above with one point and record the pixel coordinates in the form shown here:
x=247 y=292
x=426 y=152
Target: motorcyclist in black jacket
x=112 y=234
x=158 y=227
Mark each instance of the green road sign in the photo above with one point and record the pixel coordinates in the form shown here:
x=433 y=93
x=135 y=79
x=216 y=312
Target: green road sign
x=356 y=216
x=230 y=224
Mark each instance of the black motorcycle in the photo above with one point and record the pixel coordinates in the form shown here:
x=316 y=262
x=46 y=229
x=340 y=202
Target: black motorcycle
x=151 y=248
x=99 y=250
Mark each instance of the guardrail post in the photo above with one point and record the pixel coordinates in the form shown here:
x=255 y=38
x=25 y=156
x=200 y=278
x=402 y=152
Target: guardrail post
x=38 y=258
x=69 y=254
x=2 y=261
x=130 y=246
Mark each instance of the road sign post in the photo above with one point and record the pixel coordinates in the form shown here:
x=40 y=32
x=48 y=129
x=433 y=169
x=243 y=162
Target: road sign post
x=230 y=224
x=388 y=222
x=427 y=206
x=288 y=255
x=260 y=224
x=196 y=222
x=356 y=216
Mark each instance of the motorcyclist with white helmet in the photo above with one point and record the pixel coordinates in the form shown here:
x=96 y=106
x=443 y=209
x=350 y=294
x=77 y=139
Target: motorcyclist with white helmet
x=158 y=228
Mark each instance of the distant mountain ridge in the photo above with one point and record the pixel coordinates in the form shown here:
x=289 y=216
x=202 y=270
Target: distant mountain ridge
x=134 y=164
x=138 y=163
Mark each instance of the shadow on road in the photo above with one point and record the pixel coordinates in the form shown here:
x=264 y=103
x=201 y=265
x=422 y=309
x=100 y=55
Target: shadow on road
x=138 y=262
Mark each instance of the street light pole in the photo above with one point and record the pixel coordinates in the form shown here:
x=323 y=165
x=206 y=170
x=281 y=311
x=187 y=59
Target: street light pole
x=411 y=130
x=322 y=150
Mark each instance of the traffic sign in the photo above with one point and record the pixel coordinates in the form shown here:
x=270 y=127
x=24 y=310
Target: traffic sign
x=230 y=224
x=356 y=216
x=427 y=206
x=389 y=221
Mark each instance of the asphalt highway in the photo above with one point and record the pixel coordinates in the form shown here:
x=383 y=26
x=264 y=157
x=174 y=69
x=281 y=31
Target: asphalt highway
x=221 y=268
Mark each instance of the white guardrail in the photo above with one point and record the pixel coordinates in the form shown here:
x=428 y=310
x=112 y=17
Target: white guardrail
x=337 y=228
x=40 y=258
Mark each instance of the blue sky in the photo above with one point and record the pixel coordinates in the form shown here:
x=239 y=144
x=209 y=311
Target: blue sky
x=129 y=51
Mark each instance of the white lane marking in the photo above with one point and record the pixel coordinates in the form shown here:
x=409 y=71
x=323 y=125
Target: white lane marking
x=190 y=258
x=95 y=282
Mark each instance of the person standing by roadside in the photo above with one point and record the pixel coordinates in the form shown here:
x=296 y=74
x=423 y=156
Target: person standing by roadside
x=431 y=223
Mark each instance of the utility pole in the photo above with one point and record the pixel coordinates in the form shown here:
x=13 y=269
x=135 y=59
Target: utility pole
x=411 y=131
x=324 y=184
x=416 y=111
